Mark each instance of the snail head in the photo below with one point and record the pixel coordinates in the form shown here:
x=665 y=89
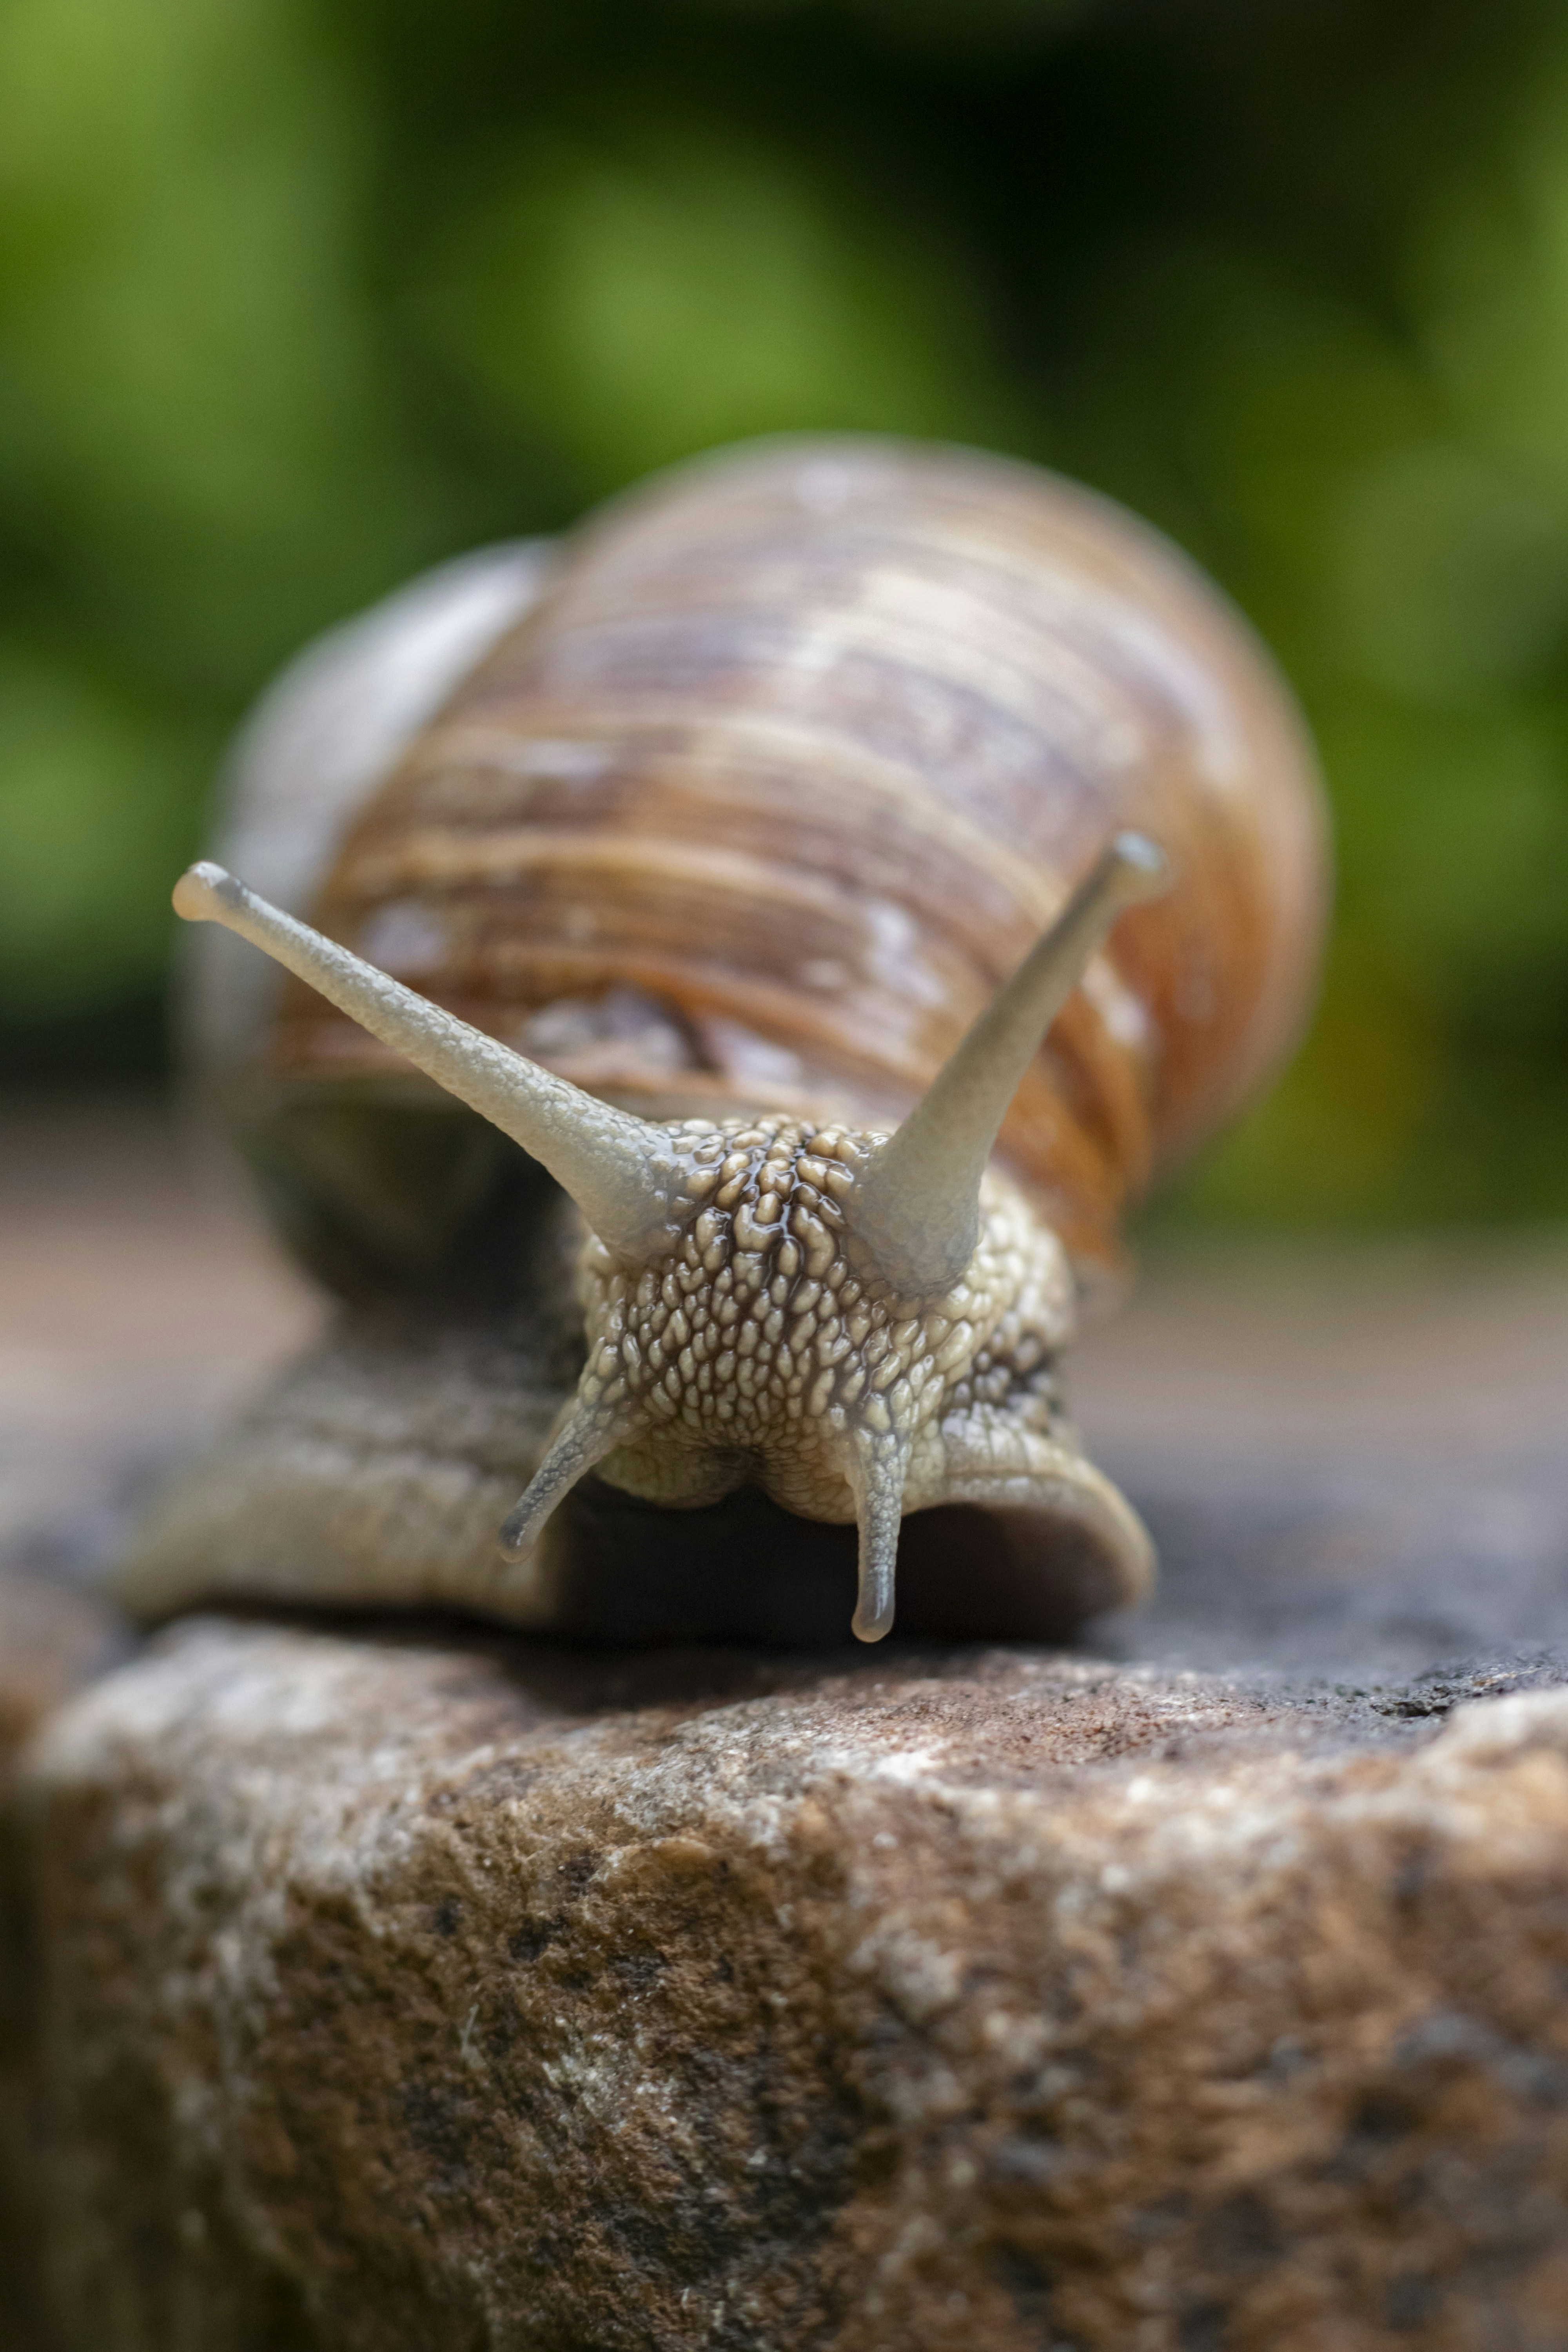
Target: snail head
x=861 y=1324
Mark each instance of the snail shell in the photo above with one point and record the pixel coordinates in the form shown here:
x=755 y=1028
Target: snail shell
x=737 y=810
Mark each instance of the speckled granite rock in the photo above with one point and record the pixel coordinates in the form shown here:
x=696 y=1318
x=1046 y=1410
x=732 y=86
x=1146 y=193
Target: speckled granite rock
x=404 y=1994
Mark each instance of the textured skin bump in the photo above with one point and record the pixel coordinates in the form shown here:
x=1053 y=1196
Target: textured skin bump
x=757 y=1347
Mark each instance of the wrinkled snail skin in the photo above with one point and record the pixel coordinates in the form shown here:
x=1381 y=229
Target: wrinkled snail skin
x=699 y=860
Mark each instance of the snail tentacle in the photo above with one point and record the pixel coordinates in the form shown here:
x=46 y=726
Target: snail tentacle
x=917 y=1203
x=617 y=1168
x=585 y=1437
x=877 y=1474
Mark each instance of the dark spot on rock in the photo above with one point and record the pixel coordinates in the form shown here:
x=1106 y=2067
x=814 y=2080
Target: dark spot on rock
x=577 y=1868
x=1411 y=2301
x=1026 y=2280
x=433 y=2124
x=809 y=2148
x=446 y=1915
x=1382 y=2114
x=1201 y=2328
x=1244 y=2229
x=645 y=2236
x=525 y=2099
x=532 y=1937
x=277 y=2319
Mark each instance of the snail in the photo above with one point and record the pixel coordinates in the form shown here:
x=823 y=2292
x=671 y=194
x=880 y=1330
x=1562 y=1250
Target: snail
x=729 y=972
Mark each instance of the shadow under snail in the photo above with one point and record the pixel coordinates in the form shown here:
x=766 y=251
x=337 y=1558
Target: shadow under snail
x=757 y=947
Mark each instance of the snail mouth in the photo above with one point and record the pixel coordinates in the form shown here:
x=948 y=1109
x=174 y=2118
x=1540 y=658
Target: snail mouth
x=1023 y=1562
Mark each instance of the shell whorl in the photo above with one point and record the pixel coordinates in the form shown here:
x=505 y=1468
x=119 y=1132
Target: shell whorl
x=782 y=773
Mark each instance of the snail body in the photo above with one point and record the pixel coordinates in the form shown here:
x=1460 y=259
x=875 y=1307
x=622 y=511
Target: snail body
x=729 y=864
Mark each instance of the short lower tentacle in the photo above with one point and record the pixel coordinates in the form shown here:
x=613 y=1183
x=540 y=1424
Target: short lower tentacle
x=877 y=1475
x=583 y=1438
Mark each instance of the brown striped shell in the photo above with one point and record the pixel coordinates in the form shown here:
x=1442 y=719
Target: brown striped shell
x=781 y=773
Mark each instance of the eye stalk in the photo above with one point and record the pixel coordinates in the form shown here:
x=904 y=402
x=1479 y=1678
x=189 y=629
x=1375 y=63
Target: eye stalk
x=617 y=1168
x=862 y=1324
x=917 y=1215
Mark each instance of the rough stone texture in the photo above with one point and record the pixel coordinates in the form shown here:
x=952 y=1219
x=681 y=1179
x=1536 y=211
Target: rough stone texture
x=468 y=1994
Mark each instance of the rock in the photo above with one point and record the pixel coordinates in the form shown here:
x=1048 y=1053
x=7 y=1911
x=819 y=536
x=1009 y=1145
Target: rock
x=51 y=1641
x=403 y=1991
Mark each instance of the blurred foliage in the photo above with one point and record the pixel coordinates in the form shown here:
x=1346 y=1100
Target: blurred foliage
x=630 y=295
x=296 y=295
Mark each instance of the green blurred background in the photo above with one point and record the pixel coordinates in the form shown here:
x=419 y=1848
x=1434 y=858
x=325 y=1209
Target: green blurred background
x=299 y=295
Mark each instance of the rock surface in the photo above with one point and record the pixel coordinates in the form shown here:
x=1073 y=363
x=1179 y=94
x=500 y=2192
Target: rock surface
x=465 y=1994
